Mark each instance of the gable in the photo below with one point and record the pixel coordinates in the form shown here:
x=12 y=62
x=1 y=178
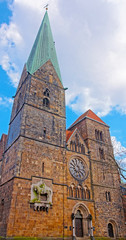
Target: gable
x=75 y=142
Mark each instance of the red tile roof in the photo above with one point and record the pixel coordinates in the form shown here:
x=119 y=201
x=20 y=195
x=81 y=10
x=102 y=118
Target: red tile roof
x=88 y=114
x=68 y=134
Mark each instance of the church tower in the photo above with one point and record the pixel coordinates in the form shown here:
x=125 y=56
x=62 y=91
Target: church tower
x=34 y=157
x=56 y=184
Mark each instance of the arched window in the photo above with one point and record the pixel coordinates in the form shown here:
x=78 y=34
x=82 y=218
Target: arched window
x=108 y=196
x=101 y=153
x=82 y=149
x=46 y=102
x=2 y=209
x=79 y=192
x=75 y=147
x=71 y=145
x=87 y=193
x=74 y=192
x=43 y=167
x=44 y=132
x=70 y=191
x=46 y=92
x=79 y=147
x=83 y=193
x=101 y=136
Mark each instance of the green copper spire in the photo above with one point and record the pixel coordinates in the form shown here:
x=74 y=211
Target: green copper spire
x=43 y=49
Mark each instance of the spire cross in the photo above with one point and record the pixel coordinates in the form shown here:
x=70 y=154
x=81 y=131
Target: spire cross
x=46 y=6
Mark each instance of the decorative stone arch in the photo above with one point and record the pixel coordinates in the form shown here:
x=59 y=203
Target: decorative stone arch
x=112 y=228
x=82 y=221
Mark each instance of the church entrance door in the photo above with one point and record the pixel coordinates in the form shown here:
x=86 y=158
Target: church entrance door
x=110 y=230
x=78 y=224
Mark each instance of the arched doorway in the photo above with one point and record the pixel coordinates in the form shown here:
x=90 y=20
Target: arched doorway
x=110 y=230
x=82 y=222
x=79 y=224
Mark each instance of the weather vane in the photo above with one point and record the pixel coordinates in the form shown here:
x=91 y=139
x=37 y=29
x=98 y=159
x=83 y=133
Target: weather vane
x=46 y=6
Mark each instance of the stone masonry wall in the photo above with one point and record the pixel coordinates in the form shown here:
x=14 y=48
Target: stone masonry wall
x=105 y=178
x=5 y=203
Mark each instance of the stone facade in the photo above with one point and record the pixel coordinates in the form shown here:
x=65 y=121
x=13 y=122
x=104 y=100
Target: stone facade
x=123 y=188
x=2 y=149
x=52 y=186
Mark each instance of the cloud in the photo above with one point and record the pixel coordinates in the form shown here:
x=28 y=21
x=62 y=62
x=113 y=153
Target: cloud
x=6 y=102
x=91 y=47
x=119 y=152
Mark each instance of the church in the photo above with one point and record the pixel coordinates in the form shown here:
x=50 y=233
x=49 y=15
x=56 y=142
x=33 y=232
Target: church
x=56 y=183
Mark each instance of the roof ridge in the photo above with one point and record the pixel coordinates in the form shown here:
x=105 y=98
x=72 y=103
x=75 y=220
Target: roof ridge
x=88 y=114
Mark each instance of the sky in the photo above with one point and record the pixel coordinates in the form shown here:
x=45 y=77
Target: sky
x=90 y=40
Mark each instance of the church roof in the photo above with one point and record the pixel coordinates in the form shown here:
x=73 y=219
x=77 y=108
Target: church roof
x=89 y=114
x=68 y=134
x=43 y=49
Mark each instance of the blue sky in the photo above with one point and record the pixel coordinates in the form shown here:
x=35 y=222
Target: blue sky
x=90 y=39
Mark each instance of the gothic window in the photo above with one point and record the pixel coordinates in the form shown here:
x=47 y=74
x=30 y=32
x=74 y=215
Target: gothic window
x=46 y=92
x=71 y=191
x=82 y=149
x=101 y=153
x=79 y=147
x=77 y=139
x=74 y=192
x=1 y=209
x=71 y=145
x=98 y=135
x=83 y=194
x=108 y=196
x=101 y=136
x=75 y=147
x=43 y=167
x=79 y=192
x=44 y=132
x=87 y=193
x=110 y=230
x=46 y=102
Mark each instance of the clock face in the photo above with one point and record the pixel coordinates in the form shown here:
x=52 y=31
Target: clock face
x=78 y=169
